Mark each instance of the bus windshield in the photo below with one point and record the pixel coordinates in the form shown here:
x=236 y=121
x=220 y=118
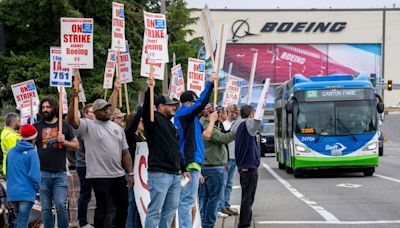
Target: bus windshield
x=336 y=117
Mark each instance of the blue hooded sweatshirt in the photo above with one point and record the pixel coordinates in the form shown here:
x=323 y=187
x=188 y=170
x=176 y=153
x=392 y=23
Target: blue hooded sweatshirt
x=23 y=172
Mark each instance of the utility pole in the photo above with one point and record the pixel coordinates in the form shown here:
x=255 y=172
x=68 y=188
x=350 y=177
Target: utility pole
x=165 y=81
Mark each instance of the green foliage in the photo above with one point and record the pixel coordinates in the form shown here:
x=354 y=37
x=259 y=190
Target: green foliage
x=32 y=26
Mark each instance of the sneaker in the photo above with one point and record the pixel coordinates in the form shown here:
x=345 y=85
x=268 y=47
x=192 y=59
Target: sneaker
x=222 y=215
x=234 y=211
x=226 y=211
x=87 y=226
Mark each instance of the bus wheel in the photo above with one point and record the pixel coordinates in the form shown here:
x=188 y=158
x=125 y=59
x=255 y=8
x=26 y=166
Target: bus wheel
x=369 y=172
x=298 y=173
x=289 y=170
x=281 y=166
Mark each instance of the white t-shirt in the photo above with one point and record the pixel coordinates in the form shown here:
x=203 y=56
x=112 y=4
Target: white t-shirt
x=104 y=142
x=231 y=146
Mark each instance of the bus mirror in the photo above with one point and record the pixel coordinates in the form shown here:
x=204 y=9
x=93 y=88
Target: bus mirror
x=289 y=106
x=380 y=107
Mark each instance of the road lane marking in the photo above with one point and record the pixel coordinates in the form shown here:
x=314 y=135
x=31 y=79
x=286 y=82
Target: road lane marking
x=333 y=222
x=387 y=178
x=320 y=210
x=349 y=185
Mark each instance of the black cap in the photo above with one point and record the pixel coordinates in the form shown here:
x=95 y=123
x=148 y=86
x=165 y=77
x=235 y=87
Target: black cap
x=164 y=100
x=188 y=96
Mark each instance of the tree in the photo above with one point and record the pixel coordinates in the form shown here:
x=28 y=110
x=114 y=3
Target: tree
x=32 y=26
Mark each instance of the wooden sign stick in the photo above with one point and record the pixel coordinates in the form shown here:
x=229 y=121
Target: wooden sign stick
x=60 y=114
x=151 y=93
x=126 y=99
x=119 y=79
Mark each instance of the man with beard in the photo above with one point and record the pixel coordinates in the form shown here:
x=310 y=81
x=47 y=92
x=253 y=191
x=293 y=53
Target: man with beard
x=52 y=148
x=107 y=159
x=165 y=161
x=9 y=135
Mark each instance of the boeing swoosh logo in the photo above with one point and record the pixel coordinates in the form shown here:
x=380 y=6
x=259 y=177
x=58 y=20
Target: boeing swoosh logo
x=241 y=29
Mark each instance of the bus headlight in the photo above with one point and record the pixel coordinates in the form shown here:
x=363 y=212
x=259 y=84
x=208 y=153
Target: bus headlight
x=302 y=149
x=371 y=146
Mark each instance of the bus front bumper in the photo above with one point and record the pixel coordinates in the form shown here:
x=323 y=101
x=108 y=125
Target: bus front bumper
x=335 y=162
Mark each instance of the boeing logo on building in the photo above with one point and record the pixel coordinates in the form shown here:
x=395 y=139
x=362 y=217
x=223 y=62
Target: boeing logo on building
x=304 y=27
x=240 y=29
x=336 y=149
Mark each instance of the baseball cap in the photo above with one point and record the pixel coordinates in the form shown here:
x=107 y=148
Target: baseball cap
x=188 y=96
x=100 y=104
x=164 y=100
x=27 y=132
x=118 y=113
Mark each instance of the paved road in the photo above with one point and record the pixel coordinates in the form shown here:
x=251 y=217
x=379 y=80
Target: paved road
x=330 y=199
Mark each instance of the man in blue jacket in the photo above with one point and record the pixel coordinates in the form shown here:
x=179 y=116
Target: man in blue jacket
x=23 y=174
x=191 y=146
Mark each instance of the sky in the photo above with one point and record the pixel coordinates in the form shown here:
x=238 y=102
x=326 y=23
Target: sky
x=292 y=4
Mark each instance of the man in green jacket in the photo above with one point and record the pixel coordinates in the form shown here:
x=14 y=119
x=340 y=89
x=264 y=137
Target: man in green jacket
x=215 y=159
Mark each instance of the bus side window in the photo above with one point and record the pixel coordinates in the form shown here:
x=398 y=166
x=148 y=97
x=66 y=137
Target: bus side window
x=289 y=124
x=278 y=125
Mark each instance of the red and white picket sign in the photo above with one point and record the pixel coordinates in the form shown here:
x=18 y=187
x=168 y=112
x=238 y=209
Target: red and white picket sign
x=64 y=99
x=232 y=92
x=196 y=76
x=81 y=95
x=177 y=82
x=109 y=69
x=77 y=42
x=126 y=65
x=24 y=93
x=155 y=41
x=158 y=69
x=118 y=27
x=142 y=193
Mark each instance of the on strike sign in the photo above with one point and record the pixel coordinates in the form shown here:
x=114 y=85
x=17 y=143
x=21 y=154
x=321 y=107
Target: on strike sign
x=110 y=68
x=196 y=77
x=23 y=93
x=232 y=92
x=118 y=27
x=155 y=42
x=59 y=76
x=77 y=42
x=126 y=65
x=177 y=82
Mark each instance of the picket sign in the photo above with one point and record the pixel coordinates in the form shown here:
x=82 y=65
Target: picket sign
x=142 y=193
x=76 y=48
x=155 y=47
x=196 y=75
x=262 y=102
x=118 y=27
x=177 y=82
x=109 y=69
x=26 y=99
x=232 y=91
x=59 y=76
x=252 y=74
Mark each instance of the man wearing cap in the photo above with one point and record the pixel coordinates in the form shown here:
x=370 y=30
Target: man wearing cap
x=165 y=163
x=107 y=159
x=191 y=145
x=23 y=174
x=52 y=147
x=118 y=117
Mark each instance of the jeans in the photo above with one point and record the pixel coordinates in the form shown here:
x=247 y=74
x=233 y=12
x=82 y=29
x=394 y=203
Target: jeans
x=133 y=218
x=54 y=187
x=248 y=182
x=84 y=195
x=188 y=198
x=23 y=210
x=211 y=193
x=164 y=190
x=226 y=195
x=106 y=189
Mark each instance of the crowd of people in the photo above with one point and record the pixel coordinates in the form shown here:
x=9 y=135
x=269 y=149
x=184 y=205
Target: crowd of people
x=194 y=149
